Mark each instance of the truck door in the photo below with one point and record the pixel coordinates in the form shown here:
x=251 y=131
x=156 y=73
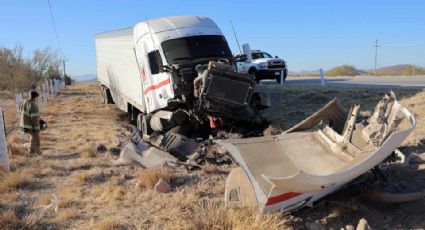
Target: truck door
x=241 y=65
x=157 y=88
x=156 y=84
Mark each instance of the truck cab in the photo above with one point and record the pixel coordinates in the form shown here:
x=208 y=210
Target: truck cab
x=175 y=45
x=261 y=65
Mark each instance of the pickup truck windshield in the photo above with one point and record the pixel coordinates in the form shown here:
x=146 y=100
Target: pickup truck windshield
x=189 y=48
x=261 y=55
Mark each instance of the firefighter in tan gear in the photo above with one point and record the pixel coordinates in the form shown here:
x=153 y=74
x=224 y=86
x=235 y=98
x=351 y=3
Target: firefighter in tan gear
x=30 y=121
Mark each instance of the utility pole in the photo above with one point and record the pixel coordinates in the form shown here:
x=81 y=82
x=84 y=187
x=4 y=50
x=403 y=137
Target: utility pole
x=376 y=56
x=64 y=71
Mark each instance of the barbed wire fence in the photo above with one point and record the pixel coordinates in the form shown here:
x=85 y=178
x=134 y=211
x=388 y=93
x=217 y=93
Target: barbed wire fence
x=47 y=90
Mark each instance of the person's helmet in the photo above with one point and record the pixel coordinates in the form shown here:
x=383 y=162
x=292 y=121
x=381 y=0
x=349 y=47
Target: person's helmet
x=34 y=94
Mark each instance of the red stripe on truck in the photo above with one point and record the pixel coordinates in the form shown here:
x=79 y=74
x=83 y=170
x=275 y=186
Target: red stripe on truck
x=154 y=87
x=282 y=197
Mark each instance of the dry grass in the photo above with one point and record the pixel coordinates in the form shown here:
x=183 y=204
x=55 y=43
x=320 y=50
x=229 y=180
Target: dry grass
x=213 y=215
x=186 y=209
x=9 y=198
x=14 y=181
x=66 y=214
x=68 y=197
x=9 y=220
x=108 y=193
x=44 y=199
x=212 y=169
x=147 y=178
x=15 y=144
x=108 y=224
x=89 y=151
x=90 y=177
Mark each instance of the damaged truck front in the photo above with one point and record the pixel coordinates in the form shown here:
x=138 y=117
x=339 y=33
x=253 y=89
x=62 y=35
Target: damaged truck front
x=176 y=79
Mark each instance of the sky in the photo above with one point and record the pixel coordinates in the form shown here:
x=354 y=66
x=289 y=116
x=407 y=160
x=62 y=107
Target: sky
x=308 y=34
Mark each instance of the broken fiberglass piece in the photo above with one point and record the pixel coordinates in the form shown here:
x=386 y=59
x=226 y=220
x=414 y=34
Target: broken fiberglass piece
x=316 y=157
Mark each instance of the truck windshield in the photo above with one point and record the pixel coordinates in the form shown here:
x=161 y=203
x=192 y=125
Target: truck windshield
x=261 y=55
x=193 y=47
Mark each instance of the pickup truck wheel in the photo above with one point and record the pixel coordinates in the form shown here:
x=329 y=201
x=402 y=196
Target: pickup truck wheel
x=285 y=74
x=252 y=72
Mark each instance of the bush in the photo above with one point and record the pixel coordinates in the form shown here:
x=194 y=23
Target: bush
x=344 y=70
x=20 y=74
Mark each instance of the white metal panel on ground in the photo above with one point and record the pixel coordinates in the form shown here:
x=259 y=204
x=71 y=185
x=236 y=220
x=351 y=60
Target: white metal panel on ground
x=282 y=178
x=4 y=158
x=117 y=67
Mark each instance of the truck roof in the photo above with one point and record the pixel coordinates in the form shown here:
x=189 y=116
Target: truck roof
x=113 y=33
x=177 y=22
x=164 y=24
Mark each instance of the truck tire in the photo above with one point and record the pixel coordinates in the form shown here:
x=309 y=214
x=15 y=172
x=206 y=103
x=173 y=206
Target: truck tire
x=285 y=74
x=108 y=97
x=143 y=125
x=253 y=72
x=102 y=95
x=132 y=114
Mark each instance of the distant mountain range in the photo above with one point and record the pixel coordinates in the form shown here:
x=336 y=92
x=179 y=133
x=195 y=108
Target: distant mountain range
x=344 y=70
x=84 y=77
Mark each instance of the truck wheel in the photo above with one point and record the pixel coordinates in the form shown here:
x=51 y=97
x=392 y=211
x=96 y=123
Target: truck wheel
x=285 y=73
x=102 y=95
x=144 y=126
x=132 y=114
x=108 y=96
x=252 y=72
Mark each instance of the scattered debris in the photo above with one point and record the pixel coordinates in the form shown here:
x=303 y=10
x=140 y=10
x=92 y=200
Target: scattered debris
x=401 y=157
x=115 y=151
x=414 y=158
x=363 y=225
x=314 y=226
x=349 y=227
x=394 y=193
x=144 y=154
x=101 y=148
x=316 y=157
x=162 y=186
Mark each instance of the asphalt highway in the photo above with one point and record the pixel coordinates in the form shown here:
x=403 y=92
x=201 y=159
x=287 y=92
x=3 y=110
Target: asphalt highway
x=414 y=82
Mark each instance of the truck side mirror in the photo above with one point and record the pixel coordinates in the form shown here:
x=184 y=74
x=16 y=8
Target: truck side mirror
x=276 y=56
x=166 y=68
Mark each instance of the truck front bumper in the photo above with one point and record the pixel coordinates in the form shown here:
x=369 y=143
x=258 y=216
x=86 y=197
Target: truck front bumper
x=269 y=74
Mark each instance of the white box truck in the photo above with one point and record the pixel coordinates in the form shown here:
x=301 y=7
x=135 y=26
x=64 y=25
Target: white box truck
x=175 y=73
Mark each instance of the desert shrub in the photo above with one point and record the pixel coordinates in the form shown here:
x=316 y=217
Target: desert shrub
x=344 y=70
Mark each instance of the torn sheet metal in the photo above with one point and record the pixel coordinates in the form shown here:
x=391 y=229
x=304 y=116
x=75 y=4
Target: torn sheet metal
x=316 y=157
x=144 y=154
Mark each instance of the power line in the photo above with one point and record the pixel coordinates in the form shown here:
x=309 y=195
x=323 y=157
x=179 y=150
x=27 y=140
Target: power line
x=236 y=37
x=54 y=25
x=56 y=34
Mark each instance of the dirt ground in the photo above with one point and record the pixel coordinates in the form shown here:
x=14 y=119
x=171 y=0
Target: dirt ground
x=75 y=185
